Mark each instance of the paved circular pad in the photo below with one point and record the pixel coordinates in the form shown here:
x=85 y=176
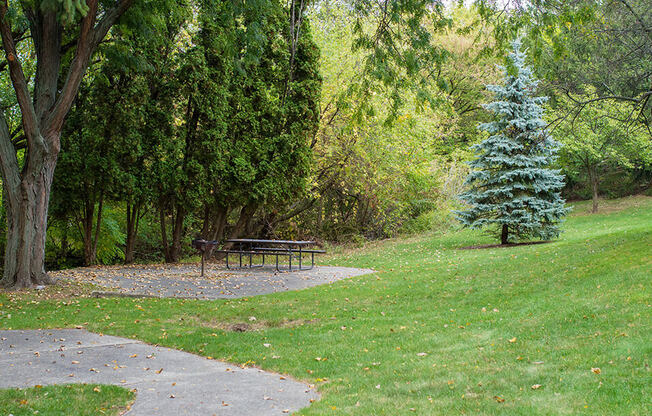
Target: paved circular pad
x=182 y=280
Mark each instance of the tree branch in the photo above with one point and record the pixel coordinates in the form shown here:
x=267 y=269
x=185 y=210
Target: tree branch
x=90 y=35
x=30 y=123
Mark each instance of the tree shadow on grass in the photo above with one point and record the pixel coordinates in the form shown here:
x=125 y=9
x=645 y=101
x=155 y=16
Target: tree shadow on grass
x=526 y=243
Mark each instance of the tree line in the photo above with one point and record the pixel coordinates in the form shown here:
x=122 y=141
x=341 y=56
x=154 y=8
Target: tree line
x=337 y=120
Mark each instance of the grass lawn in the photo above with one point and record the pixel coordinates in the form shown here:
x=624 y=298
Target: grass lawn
x=66 y=399
x=550 y=329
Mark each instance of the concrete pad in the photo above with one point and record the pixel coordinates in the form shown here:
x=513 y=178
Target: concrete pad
x=182 y=280
x=167 y=381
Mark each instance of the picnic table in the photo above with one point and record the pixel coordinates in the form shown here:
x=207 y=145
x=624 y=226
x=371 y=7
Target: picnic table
x=249 y=247
x=290 y=248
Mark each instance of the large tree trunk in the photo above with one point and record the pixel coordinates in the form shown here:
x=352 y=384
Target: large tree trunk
x=27 y=211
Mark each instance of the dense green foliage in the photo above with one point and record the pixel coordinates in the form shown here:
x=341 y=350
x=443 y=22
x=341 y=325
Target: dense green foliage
x=598 y=142
x=513 y=192
x=492 y=324
x=330 y=120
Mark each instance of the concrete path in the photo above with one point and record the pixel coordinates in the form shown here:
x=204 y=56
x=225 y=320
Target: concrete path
x=182 y=280
x=167 y=382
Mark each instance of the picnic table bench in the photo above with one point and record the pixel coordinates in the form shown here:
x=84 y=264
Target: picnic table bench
x=249 y=247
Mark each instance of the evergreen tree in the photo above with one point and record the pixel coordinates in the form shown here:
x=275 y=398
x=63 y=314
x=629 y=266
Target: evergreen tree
x=512 y=191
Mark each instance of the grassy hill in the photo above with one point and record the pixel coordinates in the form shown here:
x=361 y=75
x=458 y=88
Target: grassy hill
x=550 y=329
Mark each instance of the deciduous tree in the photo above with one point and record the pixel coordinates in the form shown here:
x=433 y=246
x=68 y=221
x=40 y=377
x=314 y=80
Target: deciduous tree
x=64 y=36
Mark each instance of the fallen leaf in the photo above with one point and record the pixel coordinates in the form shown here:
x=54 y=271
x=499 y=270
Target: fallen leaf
x=536 y=386
x=596 y=370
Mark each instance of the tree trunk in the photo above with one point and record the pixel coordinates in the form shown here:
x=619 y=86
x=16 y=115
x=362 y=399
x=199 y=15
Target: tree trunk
x=27 y=211
x=205 y=228
x=172 y=251
x=504 y=235
x=164 y=235
x=177 y=233
x=219 y=223
x=246 y=214
x=593 y=175
x=133 y=215
x=90 y=239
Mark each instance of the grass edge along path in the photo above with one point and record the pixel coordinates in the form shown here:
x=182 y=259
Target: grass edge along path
x=66 y=399
x=550 y=329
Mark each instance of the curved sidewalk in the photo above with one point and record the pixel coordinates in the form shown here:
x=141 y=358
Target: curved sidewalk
x=167 y=381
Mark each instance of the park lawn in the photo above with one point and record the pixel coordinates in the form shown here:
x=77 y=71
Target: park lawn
x=550 y=329
x=66 y=399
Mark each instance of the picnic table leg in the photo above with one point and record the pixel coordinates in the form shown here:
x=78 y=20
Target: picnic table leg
x=227 y=260
x=263 y=265
x=202 y=263
x=277 y=263
x=290 y=258
x=313 y=260
x=300 y=257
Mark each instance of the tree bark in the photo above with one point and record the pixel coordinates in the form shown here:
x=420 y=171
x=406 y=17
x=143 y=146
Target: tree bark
x=172 y=251
x=217 y=229
x=504 y=235
x=246 y=214
x=593 y=176
x=164 y=235
x=27 y=210
x=133 y=216
x=90 y=239
x=177 y=233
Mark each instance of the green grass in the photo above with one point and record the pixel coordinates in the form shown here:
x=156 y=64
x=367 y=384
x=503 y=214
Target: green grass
x=66 y=399
x=492 y=323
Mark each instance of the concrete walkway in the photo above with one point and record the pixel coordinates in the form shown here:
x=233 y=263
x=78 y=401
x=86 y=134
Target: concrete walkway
x=167 y=382
x=182 y=280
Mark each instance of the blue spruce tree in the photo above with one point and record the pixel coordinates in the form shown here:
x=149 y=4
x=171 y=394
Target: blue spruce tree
x=512 y=192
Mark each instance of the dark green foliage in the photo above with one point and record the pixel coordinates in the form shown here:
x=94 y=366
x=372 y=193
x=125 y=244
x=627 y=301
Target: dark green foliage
x=193 y=122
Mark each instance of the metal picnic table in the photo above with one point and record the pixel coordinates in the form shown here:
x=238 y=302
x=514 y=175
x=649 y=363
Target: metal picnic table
x=251 y=246
x=290 y=248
